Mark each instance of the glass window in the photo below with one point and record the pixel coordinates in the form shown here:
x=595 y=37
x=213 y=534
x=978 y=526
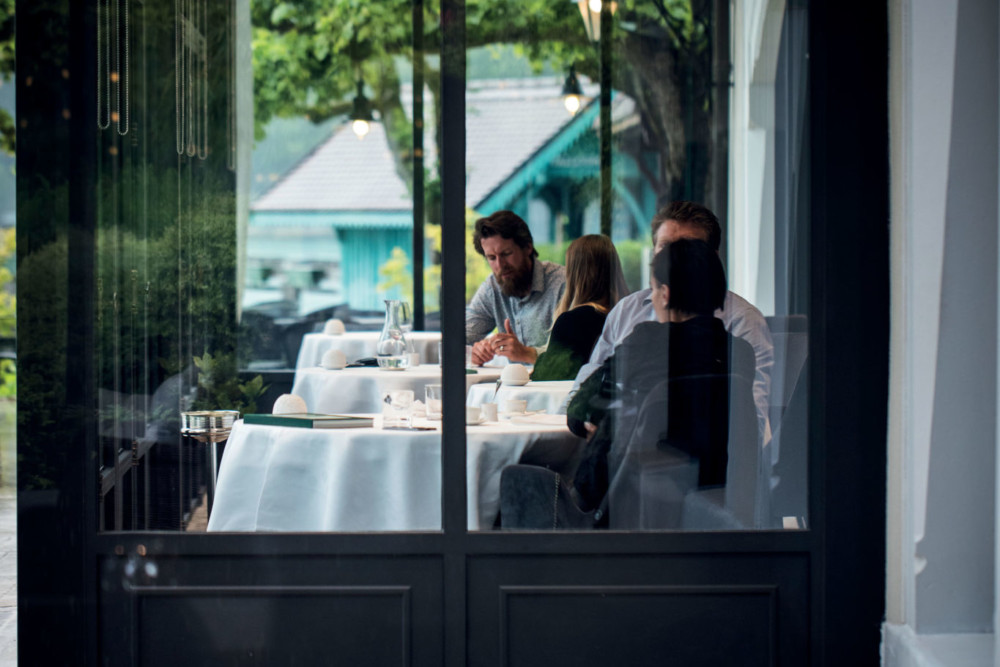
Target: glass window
x=532 y=187
x=269 y=236
x=690 y=412
x=262 y=264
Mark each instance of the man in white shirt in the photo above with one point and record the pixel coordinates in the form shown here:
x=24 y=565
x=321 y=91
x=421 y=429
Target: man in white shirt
x=688 y=220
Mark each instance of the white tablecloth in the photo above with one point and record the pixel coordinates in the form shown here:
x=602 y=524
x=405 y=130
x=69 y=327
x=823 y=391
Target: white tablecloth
x=547 y=396
x=360 y=344
x=361 y=389
x=350 y=480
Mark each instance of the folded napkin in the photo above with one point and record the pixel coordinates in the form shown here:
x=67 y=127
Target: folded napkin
x=496 y=362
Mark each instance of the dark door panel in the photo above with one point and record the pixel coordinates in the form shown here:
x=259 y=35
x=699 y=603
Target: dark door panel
x=701 y=609
x=299 y=611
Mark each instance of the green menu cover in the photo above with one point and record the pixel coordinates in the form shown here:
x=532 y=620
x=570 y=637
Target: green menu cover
x=309 y=420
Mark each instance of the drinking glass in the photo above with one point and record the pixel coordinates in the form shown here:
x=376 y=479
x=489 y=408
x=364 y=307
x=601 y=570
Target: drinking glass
x=397 y=408
x=434 y=396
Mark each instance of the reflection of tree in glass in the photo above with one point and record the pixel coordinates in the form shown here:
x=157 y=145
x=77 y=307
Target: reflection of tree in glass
x=187 y=316
x=8 y=312
x=7 y=131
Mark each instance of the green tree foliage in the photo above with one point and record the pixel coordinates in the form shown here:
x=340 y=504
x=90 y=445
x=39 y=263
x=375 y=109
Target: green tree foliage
x=7 y=130
x=308 y=55
x=630 y=252
x=8 y=312
x=166 y=300
x=219 y=386
x=396 y=271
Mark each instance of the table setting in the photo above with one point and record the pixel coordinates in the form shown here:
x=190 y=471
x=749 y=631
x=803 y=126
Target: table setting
x=537 y=396
x=360 y=389
x=362 y=344
x=396 y=339
x=514 y=386
x=275 y=478
x=316 y=470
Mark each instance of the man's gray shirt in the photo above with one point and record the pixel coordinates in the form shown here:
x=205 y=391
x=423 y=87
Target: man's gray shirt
x=530 y=316
x=740 y=318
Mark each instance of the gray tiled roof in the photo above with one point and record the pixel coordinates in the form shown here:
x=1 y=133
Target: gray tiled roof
x=507 y=121
x=343 y=173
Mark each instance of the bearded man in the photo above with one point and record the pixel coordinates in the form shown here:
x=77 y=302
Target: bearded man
x=518 y=299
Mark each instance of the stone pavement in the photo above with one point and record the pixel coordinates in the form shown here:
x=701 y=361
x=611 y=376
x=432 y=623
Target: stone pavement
x=8 y=577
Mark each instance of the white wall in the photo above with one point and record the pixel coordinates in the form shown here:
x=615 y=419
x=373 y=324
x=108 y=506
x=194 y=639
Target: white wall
x=756 y=39
x=944 y=100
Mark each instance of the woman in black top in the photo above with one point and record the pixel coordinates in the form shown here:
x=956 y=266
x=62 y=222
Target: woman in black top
x=686 y=348
x=594 y=284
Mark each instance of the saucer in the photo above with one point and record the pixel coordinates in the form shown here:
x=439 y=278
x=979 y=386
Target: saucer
x=482 y=420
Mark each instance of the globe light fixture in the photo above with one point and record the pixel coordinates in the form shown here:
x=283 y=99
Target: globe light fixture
x=361 y=112
x=360 y=128
x=572 y=92
x=590 y=10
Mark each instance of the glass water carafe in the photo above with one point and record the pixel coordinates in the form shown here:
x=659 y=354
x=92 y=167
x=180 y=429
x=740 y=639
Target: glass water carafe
x=391 y=348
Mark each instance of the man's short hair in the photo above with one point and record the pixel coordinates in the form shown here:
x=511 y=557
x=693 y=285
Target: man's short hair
x=507 y=225
x=692 y=214
x=693 y=272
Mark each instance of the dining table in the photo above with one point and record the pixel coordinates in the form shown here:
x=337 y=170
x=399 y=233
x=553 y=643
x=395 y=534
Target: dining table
x=543 y=396
x=360 y=389
x=275 y=478
x=361 y=344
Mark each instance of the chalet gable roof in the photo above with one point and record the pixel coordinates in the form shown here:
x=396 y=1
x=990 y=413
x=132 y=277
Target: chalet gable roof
x=507 y=123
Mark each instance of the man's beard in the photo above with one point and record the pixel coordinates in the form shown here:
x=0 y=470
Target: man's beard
x=517 y=285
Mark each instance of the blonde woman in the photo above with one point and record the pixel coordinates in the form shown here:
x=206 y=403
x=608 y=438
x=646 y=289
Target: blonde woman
x=594 y=284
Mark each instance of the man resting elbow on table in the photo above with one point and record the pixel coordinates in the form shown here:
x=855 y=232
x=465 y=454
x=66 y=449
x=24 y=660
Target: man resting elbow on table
x=688 y=220
x=518 y=299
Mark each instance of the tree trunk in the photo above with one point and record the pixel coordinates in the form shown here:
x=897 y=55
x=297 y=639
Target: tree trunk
x=672 y=97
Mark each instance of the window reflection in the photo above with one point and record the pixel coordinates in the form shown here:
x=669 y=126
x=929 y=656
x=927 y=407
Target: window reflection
x=302 y=244
x=165 y=256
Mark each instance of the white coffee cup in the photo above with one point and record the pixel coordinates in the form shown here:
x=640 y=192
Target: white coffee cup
x=333 y=327
x=489 y=412
x=413 y=359
x=333 y=359
x=515 y=406
x=473 y=415
x=514 y=375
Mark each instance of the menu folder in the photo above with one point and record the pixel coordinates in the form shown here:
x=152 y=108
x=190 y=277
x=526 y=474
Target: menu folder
x=309 y=420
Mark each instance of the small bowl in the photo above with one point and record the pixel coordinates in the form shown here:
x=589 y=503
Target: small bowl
x=514 y=375
x=209 y=420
